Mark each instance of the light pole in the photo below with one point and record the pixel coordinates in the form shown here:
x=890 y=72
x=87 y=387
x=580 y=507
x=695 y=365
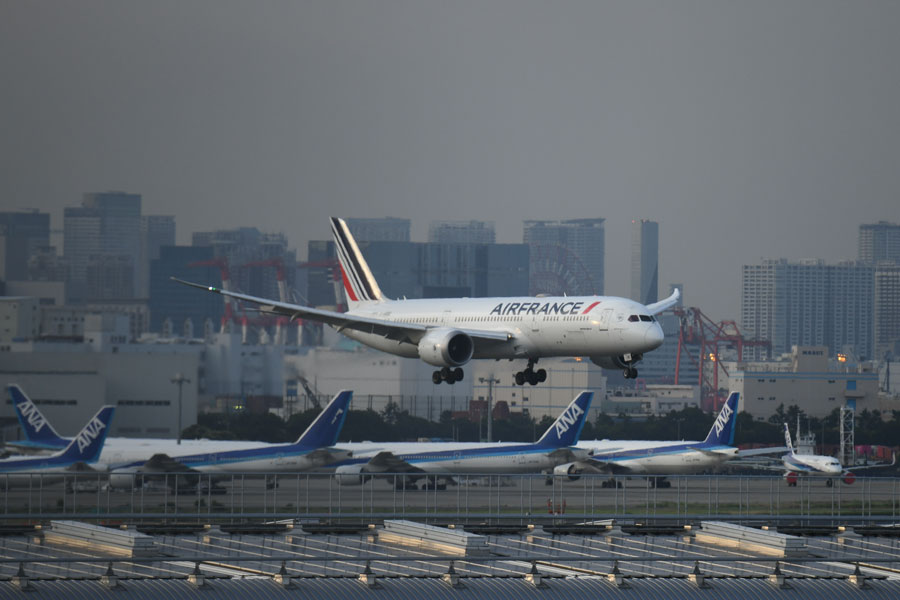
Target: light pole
x=491 y=380
x=179 y=380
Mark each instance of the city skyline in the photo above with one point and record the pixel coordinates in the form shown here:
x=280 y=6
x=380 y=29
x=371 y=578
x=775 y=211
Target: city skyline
x=392 y=221
x=747 y=131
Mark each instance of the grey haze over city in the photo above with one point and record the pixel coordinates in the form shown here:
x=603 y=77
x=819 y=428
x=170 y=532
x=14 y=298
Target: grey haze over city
x=746 y=129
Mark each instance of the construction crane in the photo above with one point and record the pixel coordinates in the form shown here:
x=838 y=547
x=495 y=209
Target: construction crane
x=696 y=329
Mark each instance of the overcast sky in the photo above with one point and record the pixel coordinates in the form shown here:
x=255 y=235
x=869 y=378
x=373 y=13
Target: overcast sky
x=746 y=129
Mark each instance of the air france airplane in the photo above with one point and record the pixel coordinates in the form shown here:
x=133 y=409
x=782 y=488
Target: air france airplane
x=448 y=333
x=83 y=448
x=641 y=457
x=128 y=456
x=414 y=459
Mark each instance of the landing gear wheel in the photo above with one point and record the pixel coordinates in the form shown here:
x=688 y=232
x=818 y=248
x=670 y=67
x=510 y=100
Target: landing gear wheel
x=541 y=375
x=829 y=483
x=630 y=373
x=458 y=374
x=436 y=378
x=532 y=377
x=520 y=378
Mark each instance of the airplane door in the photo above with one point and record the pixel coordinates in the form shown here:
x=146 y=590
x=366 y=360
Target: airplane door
x=604 y=318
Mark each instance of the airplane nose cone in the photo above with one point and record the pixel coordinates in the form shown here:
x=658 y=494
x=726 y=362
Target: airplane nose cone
x=654 y=336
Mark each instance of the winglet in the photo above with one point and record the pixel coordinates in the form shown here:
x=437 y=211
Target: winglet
x=658 y=307
x=722 y=431
x=326 y=428
x=566 y=430
x=87 y=445
x=38 y=430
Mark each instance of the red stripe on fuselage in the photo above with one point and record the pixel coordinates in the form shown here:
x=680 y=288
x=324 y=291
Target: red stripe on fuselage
x=588 y=309
x=347 y=287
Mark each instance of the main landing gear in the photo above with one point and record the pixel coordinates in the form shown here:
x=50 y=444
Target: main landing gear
x=447 y=374
x=529 y=375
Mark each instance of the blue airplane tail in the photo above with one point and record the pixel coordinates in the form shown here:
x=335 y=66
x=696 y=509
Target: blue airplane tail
x=722 y=431
x=38 y=431
x=87 y=445
x=326 y=428
x=566 y=430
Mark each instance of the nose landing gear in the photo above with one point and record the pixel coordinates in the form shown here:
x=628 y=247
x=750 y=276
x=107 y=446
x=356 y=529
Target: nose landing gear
x=447 y=374
x=529 y=375
x=630 y=372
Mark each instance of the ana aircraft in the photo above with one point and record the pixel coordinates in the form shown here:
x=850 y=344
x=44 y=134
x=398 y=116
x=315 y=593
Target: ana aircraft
x=83 y=449
x=448 y=333
x=415 y=459
x=127 y=456
x=640 y=457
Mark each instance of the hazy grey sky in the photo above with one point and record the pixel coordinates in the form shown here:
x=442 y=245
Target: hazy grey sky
x=746 y=129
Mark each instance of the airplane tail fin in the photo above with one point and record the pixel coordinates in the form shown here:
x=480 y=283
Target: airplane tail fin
x=326 y=428
x=87 y=445
x=787 y=439
x=359 y=284
x=38 y=431
x=566 y=430
x=722 y=431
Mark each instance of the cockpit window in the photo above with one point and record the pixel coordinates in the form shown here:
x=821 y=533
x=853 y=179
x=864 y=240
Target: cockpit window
x=633 y=318
x=646 y=318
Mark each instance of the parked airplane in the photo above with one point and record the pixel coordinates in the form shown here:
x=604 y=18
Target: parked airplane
x=41 y=437
x=448 y=333
x=658 y=459
x=415 y=459
x=128 y=455
x=83 y=449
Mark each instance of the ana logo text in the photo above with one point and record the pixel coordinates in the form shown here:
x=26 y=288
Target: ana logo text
x=567 y=419
x=89 y=433
x=722 y=419
x=31 y=415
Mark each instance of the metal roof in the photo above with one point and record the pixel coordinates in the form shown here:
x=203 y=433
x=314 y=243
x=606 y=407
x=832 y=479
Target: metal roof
x=662 y=564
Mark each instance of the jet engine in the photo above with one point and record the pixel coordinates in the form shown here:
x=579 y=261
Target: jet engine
x=569 y=470
x=614 y=362
x=350 y=474
x=446 y=347
x=126 y=479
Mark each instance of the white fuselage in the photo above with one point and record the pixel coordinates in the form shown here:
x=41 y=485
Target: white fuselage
x=461 y=457
x=812 y=464
x=659 y=458
x=551 y=326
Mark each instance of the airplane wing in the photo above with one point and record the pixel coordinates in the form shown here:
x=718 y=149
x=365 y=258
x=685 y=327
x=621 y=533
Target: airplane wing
x=163 y=463
x=875 y=465
x=395 y=330
x=658 y=307
x=387 y=462
x=762 y=451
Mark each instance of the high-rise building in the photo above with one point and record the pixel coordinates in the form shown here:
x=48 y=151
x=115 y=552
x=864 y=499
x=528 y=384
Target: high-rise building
x=566 y=256
x=177 y=304
x=809 y=303
x=461 y=232
x=429 y=270
x=156 y=231
x=106 y=224
x=887 y=311
x=387 y=229
x=21 y=235
x=644 y=261
x=878 y=242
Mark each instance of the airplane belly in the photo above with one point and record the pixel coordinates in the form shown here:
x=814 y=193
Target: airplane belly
x=379 y=342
